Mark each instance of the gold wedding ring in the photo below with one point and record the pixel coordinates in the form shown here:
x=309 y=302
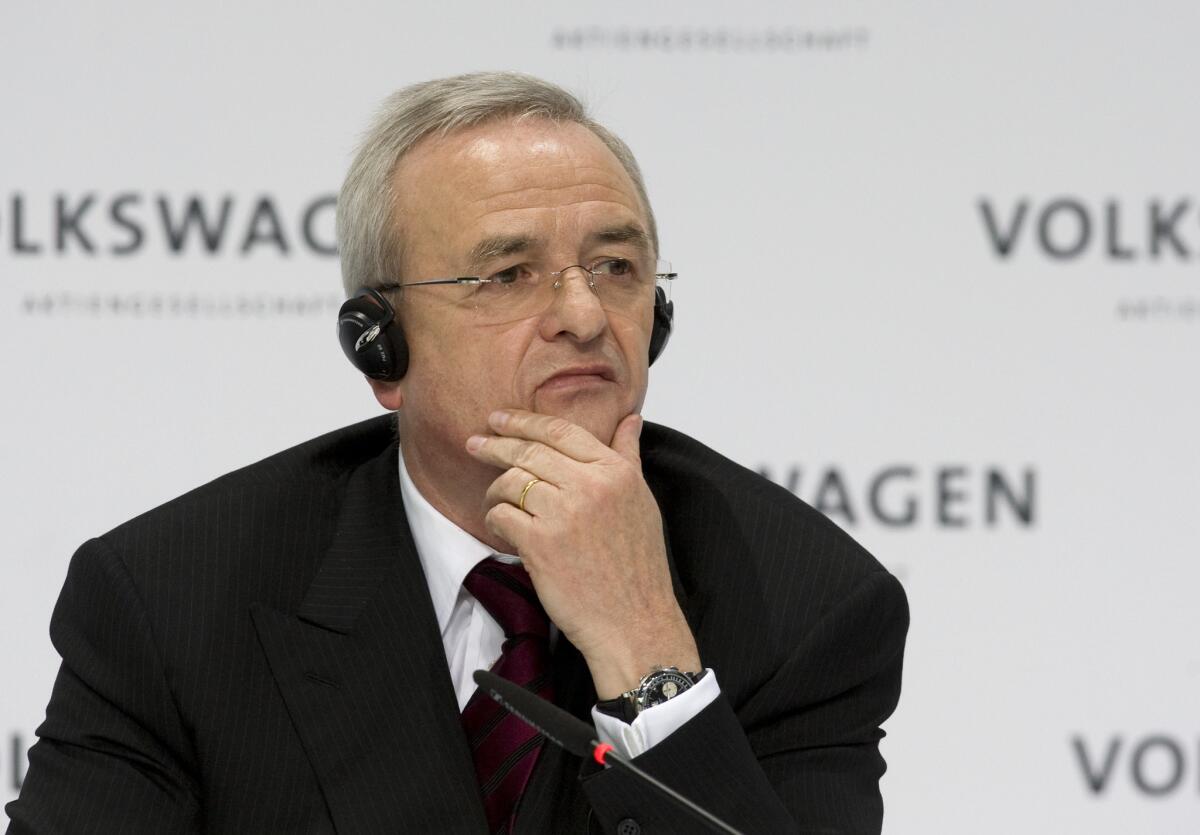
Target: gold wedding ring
x=525 y=492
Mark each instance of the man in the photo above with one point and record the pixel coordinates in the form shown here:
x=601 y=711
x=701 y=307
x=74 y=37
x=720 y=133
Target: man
x=290 y=648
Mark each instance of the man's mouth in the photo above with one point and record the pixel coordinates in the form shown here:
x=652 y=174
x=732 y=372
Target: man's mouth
x=580 y=375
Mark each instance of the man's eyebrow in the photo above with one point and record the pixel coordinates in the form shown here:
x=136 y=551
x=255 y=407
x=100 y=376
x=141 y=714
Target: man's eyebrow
x=630 y=233
x=498 y=246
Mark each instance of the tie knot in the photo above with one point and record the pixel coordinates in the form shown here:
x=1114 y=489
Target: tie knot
x=506 y=591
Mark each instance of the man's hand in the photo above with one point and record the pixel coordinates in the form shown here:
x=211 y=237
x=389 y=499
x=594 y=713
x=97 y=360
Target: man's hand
x=591 y=538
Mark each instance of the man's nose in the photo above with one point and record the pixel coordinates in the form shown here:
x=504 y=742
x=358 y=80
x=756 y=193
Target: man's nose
x=576 y=309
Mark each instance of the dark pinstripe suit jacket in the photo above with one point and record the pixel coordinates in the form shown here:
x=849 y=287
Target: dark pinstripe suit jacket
x=261 y=655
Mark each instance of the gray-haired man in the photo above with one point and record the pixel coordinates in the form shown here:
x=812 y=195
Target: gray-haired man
x=290 y=648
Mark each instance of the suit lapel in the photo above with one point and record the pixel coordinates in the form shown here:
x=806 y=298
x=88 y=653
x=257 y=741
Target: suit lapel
x=363 y=673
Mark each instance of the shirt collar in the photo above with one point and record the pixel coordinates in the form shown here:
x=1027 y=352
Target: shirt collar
x=447 y=552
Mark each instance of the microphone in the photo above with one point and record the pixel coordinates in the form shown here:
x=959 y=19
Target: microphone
x=578 y=737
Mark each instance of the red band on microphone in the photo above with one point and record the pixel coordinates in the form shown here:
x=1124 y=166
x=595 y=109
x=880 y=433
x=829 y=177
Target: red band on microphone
x=600 y=750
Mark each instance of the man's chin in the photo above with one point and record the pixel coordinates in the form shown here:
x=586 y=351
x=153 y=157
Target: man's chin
x=598 y=418
x=602 y=429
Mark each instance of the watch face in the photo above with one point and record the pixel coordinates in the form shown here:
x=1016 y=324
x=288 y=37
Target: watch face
x=664 y=685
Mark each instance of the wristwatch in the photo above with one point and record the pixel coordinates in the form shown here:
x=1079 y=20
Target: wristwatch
x=659 y=685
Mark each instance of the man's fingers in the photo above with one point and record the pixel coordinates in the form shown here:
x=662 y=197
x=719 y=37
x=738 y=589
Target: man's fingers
x=557 y=433
x=512 y=484
x=535 y=458
x=510 y=524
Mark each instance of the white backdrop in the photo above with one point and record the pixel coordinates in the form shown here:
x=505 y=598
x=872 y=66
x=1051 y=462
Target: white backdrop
x=1001 y=403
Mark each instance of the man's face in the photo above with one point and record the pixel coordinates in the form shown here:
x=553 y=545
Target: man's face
x=551 y=196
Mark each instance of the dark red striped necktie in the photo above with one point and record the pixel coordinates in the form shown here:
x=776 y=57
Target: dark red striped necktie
x=505 y=748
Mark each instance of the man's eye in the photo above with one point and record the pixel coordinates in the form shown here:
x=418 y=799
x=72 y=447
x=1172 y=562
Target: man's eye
x=509 y=276
x=616 y=267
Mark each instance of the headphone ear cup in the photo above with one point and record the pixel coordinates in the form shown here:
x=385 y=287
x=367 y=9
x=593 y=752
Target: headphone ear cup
x=664 y=320
x=371 y=338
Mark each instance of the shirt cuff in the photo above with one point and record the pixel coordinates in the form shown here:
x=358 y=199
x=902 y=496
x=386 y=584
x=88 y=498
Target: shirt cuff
x=654 y=724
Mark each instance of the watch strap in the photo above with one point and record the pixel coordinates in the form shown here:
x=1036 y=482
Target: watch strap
x=631 y=703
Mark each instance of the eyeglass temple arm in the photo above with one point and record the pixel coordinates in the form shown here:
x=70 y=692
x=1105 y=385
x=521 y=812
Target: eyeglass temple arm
x=464 y=279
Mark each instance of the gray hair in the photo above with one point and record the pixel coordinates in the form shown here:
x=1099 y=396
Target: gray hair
x=369 y=240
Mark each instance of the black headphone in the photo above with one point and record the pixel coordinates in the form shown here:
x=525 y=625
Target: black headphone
x=374 y=342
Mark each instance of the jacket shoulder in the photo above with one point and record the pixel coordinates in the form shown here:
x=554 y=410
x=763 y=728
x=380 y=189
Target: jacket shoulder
x=755 y=560
x=317 y=464
x=698 y=488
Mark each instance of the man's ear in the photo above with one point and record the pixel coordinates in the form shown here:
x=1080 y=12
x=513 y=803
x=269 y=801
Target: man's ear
x=390 y=394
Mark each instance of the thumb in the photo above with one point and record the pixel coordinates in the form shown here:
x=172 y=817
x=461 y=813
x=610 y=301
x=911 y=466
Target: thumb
x=626 y=440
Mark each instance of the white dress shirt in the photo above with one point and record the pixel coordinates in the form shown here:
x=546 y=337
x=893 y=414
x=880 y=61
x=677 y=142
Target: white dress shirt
x=473 y=639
